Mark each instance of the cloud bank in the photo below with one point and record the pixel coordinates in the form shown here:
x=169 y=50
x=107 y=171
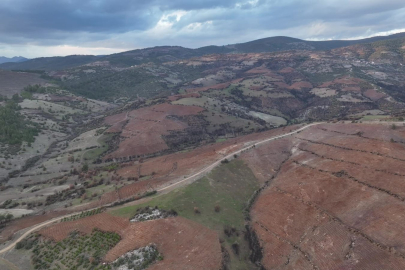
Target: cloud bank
x=34 y=28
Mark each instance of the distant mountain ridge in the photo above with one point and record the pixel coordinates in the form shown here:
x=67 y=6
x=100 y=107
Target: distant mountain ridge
x=163 y=54
x=15 y=59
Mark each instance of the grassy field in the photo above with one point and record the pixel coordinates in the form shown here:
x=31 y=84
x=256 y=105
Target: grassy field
x=228 y=187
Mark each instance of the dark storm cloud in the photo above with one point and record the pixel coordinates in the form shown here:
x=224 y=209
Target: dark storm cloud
x=139 y=23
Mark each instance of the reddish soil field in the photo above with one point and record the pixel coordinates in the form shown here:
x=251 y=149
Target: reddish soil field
x=183 y=243
x=262 y=70
x=282 y=85
x=259 y=70
x=344 y=84
x=373 y=94
x=14 y=82
x=142 y=129
x=287 y=70
x=177 y=97
x=343 y=81
x=26 y=222
x=116 y=118
x=265 y=160
x=337 y=203
x=103 y=221
x=295 y=86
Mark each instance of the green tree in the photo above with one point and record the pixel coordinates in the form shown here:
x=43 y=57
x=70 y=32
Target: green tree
x=85 y=167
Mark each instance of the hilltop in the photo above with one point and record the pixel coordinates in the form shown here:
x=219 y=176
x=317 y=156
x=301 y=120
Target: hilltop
x=171 y=53
x=12 y=59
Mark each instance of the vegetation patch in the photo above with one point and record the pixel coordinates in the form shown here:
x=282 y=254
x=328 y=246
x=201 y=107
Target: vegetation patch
x=78 y=251
x=83 y=214
x=14 y=129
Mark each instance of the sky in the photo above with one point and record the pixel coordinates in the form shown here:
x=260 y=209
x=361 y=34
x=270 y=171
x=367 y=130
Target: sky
x=38 y=28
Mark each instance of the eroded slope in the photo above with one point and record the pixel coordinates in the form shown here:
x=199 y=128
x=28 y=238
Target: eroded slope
x=337 y=202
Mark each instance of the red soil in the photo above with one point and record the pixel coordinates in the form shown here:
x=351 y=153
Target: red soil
x=344 y=84
x=117 y=127
x=282 y=85
x=26 y=222
x=312 y=218
x=287 y=70
x=103 y=221
x=266 y=159
x=177 y=97
x=143 y=133
x=183 y=243
x=373 y=94
x=294 y=86
x=116 y=118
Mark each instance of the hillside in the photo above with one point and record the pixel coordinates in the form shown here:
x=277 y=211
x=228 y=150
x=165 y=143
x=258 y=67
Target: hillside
x=172 y=53
x=387 y=51
x=50 y=63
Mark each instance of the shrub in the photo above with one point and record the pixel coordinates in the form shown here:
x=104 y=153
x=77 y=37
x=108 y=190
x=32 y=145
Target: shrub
x=235 y=248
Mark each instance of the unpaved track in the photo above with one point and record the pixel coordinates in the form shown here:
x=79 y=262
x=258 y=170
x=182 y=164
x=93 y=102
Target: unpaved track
x=194 y=176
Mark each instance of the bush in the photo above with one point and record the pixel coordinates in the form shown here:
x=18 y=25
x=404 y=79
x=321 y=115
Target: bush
x=85 y=167
x=235 y=248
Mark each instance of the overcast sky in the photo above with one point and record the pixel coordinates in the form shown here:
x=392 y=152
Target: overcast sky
x=34 y=28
